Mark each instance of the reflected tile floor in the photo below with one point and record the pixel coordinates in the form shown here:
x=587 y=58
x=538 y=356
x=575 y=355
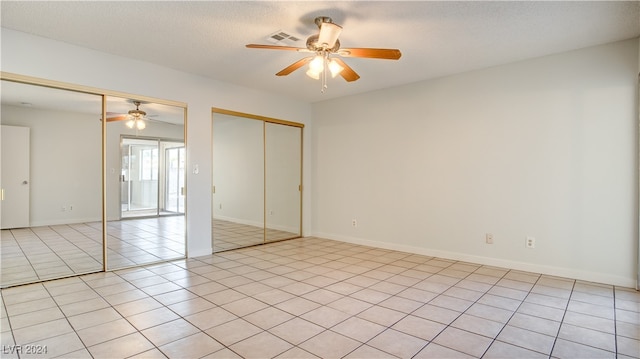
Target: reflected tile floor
x=46 y=252
x=231 y=235
x=317 y=298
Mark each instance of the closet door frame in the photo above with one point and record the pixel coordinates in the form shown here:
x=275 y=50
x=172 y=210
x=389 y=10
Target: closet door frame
x=265 y=120
x=104 y=95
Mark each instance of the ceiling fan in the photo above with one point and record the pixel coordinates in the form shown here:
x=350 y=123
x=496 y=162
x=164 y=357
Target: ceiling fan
x=135 y=118
x=324 y=45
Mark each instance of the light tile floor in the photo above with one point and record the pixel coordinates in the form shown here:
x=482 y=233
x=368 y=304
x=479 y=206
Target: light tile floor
x=316 y=298
x=230 y=235
x=46 y=252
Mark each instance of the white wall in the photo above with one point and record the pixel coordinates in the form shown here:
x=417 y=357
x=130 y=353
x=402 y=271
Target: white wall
x=238 y=170
x=39 y=57
x=544 y=148
x=65 y=184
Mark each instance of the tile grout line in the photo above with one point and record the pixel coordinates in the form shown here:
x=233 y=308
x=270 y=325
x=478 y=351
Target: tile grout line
x=25 y=254
x=43 y=244
x=615 y=323
x=69 y=241
x=278 y=261
x=463 y=312
x=511 y=317
x=555 y=340
x=13 y=338
x=299 y=316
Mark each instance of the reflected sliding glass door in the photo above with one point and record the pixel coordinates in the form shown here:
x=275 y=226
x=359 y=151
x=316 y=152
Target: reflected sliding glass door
x=152 y=177
x=139 y=190
x=174 y=179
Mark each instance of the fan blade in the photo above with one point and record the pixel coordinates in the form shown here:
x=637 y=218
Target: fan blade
x=274 y=47
x=387 y=54
x=347 y=73
x=117 y=118
x=296 y=65
x=329 y=33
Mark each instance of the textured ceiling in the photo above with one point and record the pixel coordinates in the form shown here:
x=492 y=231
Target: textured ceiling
x=436 y=38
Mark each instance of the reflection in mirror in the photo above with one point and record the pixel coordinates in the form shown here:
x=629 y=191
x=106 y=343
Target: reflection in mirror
x=145 y=182
x=51 y=183
x=283 y=160
x=238 y=180
x=257 y=173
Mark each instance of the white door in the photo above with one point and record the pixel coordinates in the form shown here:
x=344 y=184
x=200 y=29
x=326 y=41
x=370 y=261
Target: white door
x=14 y=150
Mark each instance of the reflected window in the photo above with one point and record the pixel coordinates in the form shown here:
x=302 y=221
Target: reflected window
x=149 y=165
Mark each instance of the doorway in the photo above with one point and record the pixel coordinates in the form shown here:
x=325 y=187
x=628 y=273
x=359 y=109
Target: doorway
x=14 y=207
x=151 y=177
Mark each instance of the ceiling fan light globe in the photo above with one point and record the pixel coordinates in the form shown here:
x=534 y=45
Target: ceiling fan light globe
x=313 y=74
x=335 y=68
x=317 y=64
x=130 y=123
x=140 y=125
x=329 y=33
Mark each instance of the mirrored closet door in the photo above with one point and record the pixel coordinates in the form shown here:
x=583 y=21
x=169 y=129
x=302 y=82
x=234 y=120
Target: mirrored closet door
x=257 y=164
x=283 y=171
x=51 y=182
x=145 y=195
x=76 y=164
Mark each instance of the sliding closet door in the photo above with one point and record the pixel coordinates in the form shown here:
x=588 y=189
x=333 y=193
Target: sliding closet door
x=257 y=177
x=72 y=192
x=144 y=183
x=62 y=232
x=238 y=182
x=283 y=163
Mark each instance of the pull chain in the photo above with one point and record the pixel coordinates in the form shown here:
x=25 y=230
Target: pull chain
x=325 y=68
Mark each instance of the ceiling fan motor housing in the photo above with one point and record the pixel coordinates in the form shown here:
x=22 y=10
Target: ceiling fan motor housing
x=312 y=44
x=320 y=19
x=137 y=112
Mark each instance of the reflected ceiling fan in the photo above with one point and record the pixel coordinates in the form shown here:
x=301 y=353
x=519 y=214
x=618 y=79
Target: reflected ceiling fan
x=135 y=118
x=325 y=45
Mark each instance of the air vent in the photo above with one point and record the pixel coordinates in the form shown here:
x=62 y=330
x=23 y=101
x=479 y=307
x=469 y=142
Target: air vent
x=283 y=38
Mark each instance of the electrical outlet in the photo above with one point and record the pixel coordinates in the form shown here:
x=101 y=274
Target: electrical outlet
x=488 y=238
x=354 y=222
x=63 y=209
x=530 y=242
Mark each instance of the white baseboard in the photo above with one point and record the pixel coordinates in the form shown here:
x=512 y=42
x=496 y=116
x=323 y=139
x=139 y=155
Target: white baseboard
x=240 y=221
x=64 y=221
x=258 y=224
x=595 y=277
x=200 y=252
